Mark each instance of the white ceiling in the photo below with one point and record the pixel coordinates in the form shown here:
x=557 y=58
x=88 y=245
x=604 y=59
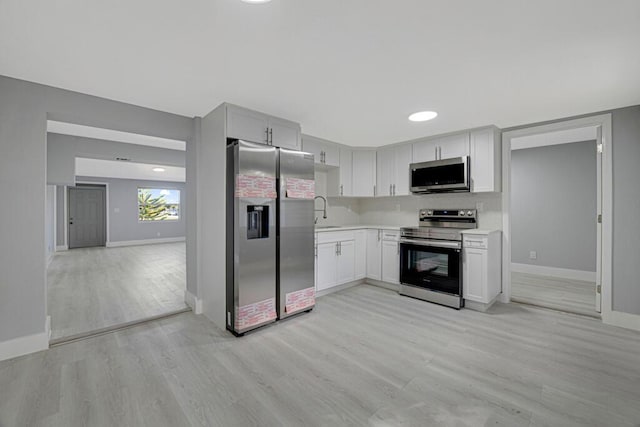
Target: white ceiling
x=349 y=71
x=127 y=170
x=114 y=135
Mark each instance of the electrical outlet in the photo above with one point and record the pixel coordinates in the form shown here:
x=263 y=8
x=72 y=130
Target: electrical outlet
x=533 y=255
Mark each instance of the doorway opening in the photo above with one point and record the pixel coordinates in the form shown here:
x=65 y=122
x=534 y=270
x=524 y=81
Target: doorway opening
x=119 y=233
x=557 y=191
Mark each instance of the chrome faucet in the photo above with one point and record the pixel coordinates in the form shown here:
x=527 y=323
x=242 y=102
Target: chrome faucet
x=324 y=209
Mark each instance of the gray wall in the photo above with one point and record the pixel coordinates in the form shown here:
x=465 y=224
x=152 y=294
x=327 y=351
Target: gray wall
x=123 y=211
x=626 y=205
x=553 y=205
x=63 y=149
x=24 y=109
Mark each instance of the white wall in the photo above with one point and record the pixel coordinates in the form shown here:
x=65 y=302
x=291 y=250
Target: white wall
x=340 y=211
x=403 y=211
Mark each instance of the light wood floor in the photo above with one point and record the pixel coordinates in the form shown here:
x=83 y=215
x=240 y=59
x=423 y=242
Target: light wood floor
x=364 y=356
x=94 y=288
x=572 y=296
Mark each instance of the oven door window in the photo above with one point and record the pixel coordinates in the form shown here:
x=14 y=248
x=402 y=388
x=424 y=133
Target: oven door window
x=433 y=268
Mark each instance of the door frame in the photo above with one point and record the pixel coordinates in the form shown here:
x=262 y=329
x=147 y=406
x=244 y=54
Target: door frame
x=602 y=121
x=106 y=208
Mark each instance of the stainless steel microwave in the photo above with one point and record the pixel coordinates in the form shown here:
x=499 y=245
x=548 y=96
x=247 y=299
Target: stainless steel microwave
x=440 y=176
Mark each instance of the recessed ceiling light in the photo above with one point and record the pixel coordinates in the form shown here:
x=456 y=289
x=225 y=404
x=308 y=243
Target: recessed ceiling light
x=423 y=116
x=158 y=169
x=256 y=1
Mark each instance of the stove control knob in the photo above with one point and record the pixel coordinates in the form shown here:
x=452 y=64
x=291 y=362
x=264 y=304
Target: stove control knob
x=470 y=213
x=461 y=213
x=429 y=213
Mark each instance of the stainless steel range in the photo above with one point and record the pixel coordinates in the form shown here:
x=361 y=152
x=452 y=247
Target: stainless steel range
x=430 y=256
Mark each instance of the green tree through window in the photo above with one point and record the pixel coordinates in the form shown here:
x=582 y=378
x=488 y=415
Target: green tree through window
x=156 y=204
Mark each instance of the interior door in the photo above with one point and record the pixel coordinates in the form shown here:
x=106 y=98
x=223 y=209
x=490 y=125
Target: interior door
x=87 y=217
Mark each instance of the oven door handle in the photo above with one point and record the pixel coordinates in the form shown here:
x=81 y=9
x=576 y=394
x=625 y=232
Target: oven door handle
x=433 y=243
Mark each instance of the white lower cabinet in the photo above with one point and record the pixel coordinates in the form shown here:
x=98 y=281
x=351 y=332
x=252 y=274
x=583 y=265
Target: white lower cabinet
x=338 y=258
x=374 y=254
x=481 y=268
x=327 y=270
x=361 y=254
x=346 y=262
x=391 y=261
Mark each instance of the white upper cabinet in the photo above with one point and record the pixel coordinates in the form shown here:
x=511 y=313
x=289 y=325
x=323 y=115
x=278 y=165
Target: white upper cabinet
x=393 y=170
x=403 y=156
x=247 y=125
x=385 y=174
x=364 y=173
x=453 y=146
x=253 y=126
x=284 y=133
x=340 y=180
x=325 y=152
x=486 y=160
x=425 y=151
x=445 y=147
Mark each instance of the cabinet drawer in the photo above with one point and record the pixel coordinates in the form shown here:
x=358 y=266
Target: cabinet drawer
x=475 y=242
x=335 y=236
x=390 y=235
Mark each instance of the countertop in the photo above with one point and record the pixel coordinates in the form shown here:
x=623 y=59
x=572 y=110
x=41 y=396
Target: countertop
x=325 y=229
x=479 y=231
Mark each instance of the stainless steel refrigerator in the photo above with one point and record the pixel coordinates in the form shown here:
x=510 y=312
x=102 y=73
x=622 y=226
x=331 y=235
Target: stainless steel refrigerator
x=270 y=248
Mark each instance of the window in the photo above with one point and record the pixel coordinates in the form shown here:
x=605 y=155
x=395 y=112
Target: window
x=157 y=204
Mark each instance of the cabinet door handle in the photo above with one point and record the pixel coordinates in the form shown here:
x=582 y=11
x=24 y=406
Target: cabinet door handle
x=336 y=248
x=341 y=190
x=271 y=135
x=267 y=135
x=391 y=189
x=374 y=190
x=315 y=248
x=439 y=151
x=394 y=189
x=436 y=148
x=339 y=248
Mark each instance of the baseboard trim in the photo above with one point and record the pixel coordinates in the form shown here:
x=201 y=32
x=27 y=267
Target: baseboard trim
x=562 y=273
x=622 y=320
x=339 y=288
x=28 y=344
x=145 y=242
x=194 y=302
x=61 y=248
x=381 y=284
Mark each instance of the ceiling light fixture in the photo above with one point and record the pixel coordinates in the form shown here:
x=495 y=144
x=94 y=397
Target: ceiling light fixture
x=423 y=116
x=158 y=169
